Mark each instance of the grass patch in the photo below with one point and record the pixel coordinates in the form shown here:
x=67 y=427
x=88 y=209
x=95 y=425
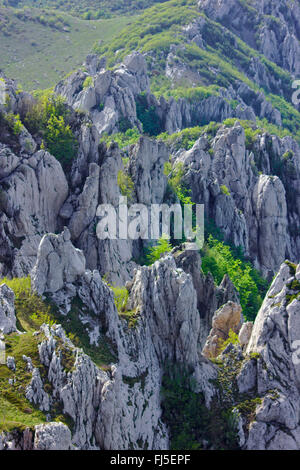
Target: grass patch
x=38 y=55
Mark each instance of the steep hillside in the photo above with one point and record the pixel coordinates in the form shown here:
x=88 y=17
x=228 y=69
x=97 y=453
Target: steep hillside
x=39 y=47
x=88 y=9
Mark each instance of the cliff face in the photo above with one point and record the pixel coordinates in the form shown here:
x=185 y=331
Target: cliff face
x=260 y=214
x=97 y=354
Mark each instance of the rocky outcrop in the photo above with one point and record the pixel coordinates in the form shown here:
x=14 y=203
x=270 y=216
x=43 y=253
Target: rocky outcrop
x=256 y=212
x=227 y=318
x=58 y=263
x=270 y=27
x=121 y=407
x=52 y=436
x=274 y=374
x=7 y=310
x=110 y=96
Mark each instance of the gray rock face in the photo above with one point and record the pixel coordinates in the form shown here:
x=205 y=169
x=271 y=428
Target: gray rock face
x=229 y=317
x=272 y=31
x=35 y=392
x=58 y=263
x=112 y=409
x=111 y=98
x=258 y=211
x=33 y=189
x=52 y=436
x=7 y=310
x=275 y=374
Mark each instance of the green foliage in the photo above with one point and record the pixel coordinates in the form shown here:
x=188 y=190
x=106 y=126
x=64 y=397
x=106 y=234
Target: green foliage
x=155 y=252
x=16 y=412
x=154 y=30
x=175 y=175
x=186 y=138
x=123 y=139
x=125 y=184
x=88 y=82
x=49 y=118
x=60 y=139
x=89 y=9
x=225 y=190
x=233 y=338
x=49 y=41
x=220 y=259
x=193 y=94
x=14 y=122
x=187 y=417
x=147 y=115
x=121 y=296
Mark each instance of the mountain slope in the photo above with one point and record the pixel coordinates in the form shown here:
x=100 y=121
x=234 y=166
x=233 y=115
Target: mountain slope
x=39 y=47
x=146 y=344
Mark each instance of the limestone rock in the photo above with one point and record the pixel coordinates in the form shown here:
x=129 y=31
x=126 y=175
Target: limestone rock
x=52 y=436
x=10 y=362
x=7 y=310
x=58 y=263
x=245 y=333
x=276 y=335
x=35 y=392
x=229 y=317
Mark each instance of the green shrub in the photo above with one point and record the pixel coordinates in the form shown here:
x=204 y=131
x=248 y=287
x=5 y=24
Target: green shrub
x=225 y=190
x=147 y=115
x=163 y=246
x=187 y=417
x=219 y=259
x=233 y=338
x=123 y=139
x=49 y=118
x=14 y=122
x=125 y=184
x=88 y=82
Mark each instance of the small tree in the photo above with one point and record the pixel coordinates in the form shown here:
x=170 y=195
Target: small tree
x=163 y=246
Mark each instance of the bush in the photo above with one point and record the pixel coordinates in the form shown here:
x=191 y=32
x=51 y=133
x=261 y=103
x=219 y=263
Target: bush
x=123 y=139
x=219 y=259
x=187 y=417
x=49 y=118
x=147 y=115
x=88 y=82
x=154 y=253
x=225 y=190
x=125 y=184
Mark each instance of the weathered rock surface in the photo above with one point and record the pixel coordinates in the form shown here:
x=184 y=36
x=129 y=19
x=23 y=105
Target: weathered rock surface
x=52 y=436
x=229 y=317
x=271 y=27
x=275 y=372
x=258 y=211
x=59 y=263
x=167 y=329
x=7 y=310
